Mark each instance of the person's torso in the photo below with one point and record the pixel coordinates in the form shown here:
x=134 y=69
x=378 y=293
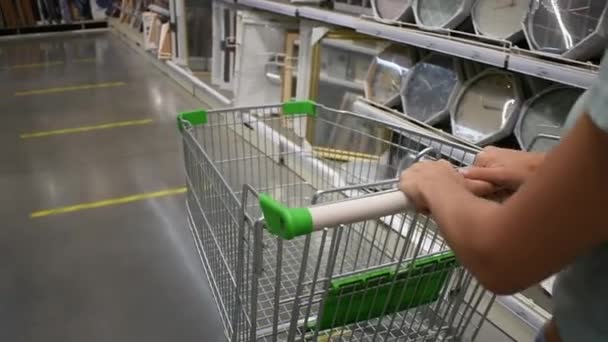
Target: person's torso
x=580 y=291
x=580 y=296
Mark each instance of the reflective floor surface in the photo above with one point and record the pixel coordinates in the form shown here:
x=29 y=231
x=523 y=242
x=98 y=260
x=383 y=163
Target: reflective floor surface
x=93 y=240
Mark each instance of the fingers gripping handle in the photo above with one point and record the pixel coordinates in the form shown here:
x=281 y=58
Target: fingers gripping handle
x=291 y=222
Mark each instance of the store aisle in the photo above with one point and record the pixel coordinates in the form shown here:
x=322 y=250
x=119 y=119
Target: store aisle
x=93 y=240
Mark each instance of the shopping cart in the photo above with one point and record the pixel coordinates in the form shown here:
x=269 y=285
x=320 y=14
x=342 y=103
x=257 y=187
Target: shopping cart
x=303 y=236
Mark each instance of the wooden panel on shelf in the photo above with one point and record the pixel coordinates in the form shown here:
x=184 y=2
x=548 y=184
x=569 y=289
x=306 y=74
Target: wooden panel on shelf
x=289 y=66
x=164 y=45
x=126 y=10
x=155 y=33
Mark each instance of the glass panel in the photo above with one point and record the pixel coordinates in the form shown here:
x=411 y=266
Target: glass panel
x=198 y=22
x=260 y=64
x=344 y=64
x=342 y=69
x=386 y=73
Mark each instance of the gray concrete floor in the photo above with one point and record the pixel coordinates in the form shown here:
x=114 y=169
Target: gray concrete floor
x=120 y=273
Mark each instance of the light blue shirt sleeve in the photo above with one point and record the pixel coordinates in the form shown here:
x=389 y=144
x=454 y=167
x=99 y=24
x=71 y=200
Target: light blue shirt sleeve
x=597 y=104
x=580 y=296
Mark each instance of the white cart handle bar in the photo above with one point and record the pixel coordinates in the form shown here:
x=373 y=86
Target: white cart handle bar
x=291 y=222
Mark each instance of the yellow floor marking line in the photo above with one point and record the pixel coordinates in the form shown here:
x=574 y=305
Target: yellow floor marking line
x=109 y=202
x=85 y=128
x=70 y=88
x=35 y=65
x=342 y=155
x=49 y=64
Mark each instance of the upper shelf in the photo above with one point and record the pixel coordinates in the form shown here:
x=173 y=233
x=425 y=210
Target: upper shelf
x=498 y=54
x=159 y=10
x=271 y=6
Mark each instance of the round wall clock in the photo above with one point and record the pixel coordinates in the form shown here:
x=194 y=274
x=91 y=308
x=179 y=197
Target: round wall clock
x=400 y=10
x=427 y=88
x=485 y=109
x=543 y=116
x=500 y=19
x=574 y=29
x=436 y=14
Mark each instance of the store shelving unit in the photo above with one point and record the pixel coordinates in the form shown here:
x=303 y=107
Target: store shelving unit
x=495 y=53
x=36 y=17
x=79 y=26
x=274 y=7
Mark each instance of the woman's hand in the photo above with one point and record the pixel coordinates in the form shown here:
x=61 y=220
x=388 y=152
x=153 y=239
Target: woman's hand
x=436 y=177
x=504 y=168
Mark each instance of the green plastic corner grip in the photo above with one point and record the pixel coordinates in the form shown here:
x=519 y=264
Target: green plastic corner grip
x=297 y=107
x=195 y=118
x=385 y=291
x=284 y=222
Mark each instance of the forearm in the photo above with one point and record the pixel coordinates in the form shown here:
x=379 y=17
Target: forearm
x=556 y=216
x=465 y=223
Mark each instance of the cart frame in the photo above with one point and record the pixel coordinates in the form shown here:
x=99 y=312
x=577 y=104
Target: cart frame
x=327 y=284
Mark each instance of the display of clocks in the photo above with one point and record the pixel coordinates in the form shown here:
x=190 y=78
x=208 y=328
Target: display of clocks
x=400 y=10
x=427 y=88
x=485 y=109
x=574 y=29
x=386 y=72
x=543 y=116
x=500 y=19
x=436 y=14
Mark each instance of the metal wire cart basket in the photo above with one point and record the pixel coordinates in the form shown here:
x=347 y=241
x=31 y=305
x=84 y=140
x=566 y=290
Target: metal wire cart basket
x=303 y=236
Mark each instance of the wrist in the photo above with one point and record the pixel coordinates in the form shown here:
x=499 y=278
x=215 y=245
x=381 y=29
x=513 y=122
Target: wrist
x=536 y=160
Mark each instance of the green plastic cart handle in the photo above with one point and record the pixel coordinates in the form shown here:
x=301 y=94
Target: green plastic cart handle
x=291 y=222
x=285 y=222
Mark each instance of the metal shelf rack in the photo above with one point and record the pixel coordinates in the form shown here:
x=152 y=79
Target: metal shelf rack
x=495 y=53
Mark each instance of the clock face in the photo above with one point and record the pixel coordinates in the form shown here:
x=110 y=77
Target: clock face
x=436 y=13
x=546 y=115
x=392 y=9
x=428 y=88
x=485 y=107
x=556 y=26
x=387 y=72
x=500 y=18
